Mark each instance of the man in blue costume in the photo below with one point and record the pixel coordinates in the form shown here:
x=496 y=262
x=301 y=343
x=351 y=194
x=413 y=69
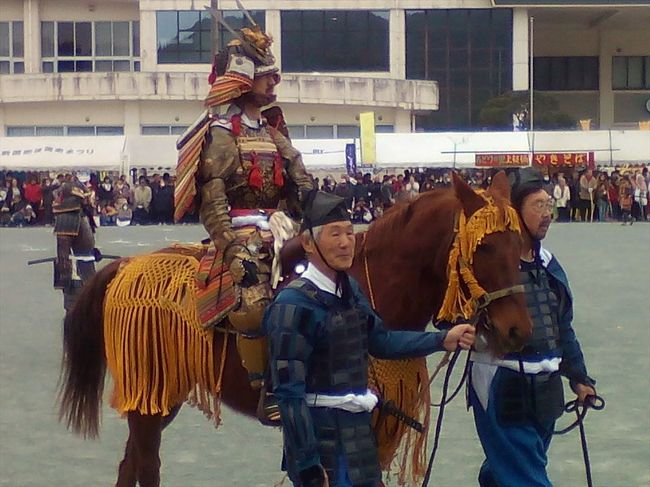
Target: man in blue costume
x=321 y=329
x=517 y=399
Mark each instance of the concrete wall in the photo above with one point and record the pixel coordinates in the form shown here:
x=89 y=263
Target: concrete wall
x=613 y=107
x=11 y=10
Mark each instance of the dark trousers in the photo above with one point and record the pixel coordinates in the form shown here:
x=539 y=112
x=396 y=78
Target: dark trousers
x=563 y=214
x=81 y=244
x=585 y=210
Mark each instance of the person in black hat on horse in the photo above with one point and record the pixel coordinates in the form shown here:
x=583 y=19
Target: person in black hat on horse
x=321 y=329
x=517 y=399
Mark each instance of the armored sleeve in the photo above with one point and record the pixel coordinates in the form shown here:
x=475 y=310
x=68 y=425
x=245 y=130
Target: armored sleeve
x=389 y=344
x=290 y=330
x=296 y=167
x=219 y=159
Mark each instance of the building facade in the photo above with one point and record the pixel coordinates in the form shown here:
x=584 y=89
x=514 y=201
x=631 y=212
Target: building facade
x=129 y=67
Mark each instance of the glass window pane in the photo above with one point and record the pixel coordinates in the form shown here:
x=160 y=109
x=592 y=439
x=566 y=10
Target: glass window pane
x=647 y=72
x=47 y=39
x=178 y=129
x=330 y=41
x=575 y=73
x=83 y=39
x=49 y=131
x=80 y=130
x=559 y=73
x=5 y=67
x=103 y=43
x=347 y=131
x=65 y=67
x=65 y=39
x=110 y=130
x=136 y=66
x=591 y=80
x=48 y=67
x=167 y=35
x=135 y=26
x=122 y=66
x=103 y=66
x=296 y=131
x=635 y=72
x=188 y=19
x=19 y=68
x=542 y=73
x=155 y=130
x=619 y=72
x=121 y=38
x=458 y=29
x=4 y=39
x=320 y=131
x=83 y=66
x=385 y=129
x=20 y=131
x=18 y=42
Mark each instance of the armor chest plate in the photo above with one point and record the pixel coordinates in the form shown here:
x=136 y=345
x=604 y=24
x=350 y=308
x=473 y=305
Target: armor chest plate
x=543 y=306
x=339 y=362
x=255 y=148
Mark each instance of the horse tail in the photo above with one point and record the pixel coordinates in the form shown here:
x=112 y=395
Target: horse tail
x=84 y=360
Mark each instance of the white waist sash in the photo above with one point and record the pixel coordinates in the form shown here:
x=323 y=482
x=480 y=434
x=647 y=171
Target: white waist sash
x=354 y=403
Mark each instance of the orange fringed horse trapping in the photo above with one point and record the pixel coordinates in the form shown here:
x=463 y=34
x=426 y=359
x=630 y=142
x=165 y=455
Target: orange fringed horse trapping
x=158 y=354
x=405 y=382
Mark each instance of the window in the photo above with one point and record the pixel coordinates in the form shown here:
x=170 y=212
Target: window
x=163 y=129
x=237 y=20
x=11 y=48
x=468 y=52
x=90 y=46
x=335 y=40
x=60 y=130
x=185 y=36
x=296 y=131
x=320 y=131
x=347 y=131
x=566 y=73
x=631 y=73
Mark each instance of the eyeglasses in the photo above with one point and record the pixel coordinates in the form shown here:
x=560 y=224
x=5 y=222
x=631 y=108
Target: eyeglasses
x=542 y=206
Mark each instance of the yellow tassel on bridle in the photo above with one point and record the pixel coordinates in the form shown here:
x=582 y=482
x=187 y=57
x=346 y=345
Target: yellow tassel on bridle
x=459 y=303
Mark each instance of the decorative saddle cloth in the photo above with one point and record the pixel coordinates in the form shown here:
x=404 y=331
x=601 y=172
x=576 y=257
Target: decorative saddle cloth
x=216 y=293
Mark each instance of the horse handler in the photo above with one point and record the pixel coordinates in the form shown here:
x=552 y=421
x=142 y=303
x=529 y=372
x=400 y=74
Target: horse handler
x=517 y=399
x=321 y=329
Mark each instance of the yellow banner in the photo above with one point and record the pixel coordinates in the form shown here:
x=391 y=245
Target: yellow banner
x=368 y=145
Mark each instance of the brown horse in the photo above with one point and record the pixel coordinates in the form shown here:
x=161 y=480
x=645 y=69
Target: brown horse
x=401 y=261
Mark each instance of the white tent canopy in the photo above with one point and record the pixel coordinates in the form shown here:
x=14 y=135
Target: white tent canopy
x=156 y=153
x=62 y=153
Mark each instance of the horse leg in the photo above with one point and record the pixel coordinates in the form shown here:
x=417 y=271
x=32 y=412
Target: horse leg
x=127 y=470
x=145 y=435
x=170 y=417
x=126 y=474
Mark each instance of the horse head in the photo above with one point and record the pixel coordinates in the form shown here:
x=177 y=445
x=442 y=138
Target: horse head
x=488 y=247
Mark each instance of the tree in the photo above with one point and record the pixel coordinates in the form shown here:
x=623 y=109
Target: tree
x=512 y=110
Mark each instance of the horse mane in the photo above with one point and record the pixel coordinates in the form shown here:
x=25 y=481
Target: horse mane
x=393 y=222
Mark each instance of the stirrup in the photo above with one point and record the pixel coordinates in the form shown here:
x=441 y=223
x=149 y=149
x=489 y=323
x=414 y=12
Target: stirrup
x=268 y=411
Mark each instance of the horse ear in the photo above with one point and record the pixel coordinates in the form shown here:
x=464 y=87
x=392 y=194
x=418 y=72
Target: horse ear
x=500 y=185
x=468 y=198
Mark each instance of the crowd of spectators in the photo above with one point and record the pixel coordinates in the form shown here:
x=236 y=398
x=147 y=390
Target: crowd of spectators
x=28 y=199
x=620 y=194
